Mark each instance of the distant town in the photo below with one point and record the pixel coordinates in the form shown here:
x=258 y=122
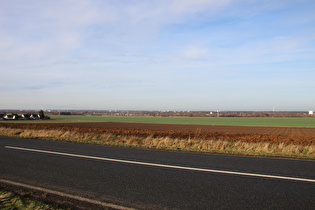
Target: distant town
x=44 y=114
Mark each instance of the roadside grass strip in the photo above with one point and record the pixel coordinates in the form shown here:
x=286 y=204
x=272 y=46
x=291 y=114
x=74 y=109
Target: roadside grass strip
x=166 y=143
x=10 y=200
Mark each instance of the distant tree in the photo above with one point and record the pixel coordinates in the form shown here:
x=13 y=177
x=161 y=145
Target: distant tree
x=41 y=114
x=64 y=113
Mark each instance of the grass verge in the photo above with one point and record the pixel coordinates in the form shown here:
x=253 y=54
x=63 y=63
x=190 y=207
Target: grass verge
x=166 y=143
x=11 y=200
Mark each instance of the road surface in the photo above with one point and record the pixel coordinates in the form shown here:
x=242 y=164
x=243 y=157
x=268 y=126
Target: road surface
x=144 y=179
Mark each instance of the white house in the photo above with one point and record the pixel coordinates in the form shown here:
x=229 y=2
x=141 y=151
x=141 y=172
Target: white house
x=311 y=112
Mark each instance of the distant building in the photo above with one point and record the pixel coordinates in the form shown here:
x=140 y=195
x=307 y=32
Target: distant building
x=311 y=112
x=9 y=117
x=34 y=117
x=26 y=116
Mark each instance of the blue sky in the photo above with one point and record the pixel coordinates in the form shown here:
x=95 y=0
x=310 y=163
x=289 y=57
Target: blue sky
x=158 y=54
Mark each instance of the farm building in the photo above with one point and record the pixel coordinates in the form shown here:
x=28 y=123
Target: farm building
x=311 y=112
x=26 y=116
x=10 y=117
x=32 y=116
x=35 y=117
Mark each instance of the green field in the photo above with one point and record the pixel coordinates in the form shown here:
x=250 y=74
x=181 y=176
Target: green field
x=243 y=121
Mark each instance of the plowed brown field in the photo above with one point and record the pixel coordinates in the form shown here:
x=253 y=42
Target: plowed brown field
x=287 y=135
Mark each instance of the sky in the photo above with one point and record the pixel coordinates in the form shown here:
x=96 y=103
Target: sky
x=189 y=55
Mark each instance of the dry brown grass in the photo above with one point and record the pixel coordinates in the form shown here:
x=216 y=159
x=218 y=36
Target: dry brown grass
x=280 y=149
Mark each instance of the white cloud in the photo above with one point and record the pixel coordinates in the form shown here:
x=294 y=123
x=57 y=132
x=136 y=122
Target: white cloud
x=275 y=49
x=183 y=7
x=69 y=24
x=195 y=53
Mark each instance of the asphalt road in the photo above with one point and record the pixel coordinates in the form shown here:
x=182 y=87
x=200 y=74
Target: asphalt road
x=144 y=179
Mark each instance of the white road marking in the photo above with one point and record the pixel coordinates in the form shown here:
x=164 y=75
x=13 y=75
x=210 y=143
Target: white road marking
x=163 y=165
x=108 y=205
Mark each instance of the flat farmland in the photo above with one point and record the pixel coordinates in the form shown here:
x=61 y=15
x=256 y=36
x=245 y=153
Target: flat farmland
x=238 y=121
x=294 y=137
x=291 y=131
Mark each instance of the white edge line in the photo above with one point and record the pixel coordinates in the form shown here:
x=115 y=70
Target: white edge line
x=163 y=165
x=65 y=195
